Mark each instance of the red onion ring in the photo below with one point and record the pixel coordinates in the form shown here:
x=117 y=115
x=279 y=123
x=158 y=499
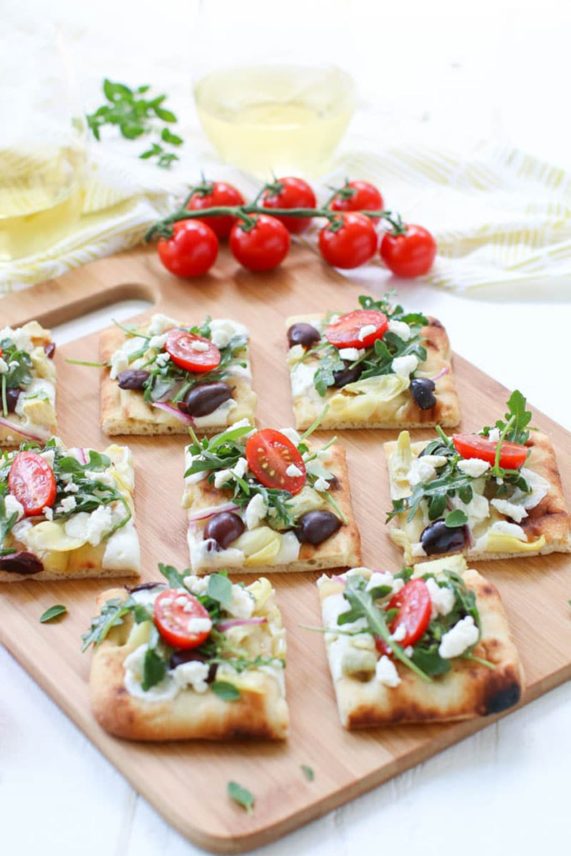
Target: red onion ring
x=440 y=374
x=203 y=513
x=174 y=411
x=31 y=436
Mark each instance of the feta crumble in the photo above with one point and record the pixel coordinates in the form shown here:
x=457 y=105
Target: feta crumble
x=459 y=638
x=510 y=509
x=404 y=366
x=351 y=354
x=366 y=331
x=386 y=672
x=400 y=329
x=293 y=471
x=473 y=467
x=256 y=510
x=442 y=598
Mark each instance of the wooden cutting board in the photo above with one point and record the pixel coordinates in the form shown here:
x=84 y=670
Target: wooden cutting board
x=186 y=782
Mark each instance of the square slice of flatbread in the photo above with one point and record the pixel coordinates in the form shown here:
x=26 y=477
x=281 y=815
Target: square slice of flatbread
x=468 y=690
x=546 y=528
x=125 y=411
x=341 y=550
x=375 y=410
x=260 y=711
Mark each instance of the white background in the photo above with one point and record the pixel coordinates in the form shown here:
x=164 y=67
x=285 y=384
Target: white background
x=448 y=71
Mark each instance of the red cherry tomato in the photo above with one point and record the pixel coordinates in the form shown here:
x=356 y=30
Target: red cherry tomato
x=32 y=481
x=173 y=611
x=191 y=250
x=216 y=193
x=190 y=352
x=409 y=254
x=349 y=241
x=414 y=610
x=357 y=196
x=290 y=193
x=269 y=454
x=262 y=246
x=345 y=333
x=512 y=455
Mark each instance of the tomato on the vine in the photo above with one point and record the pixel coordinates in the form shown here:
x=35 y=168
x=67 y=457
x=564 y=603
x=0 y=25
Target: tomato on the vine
x=409 y=251
x=191 y=352
x=353 y=330
x=270 y=454
x=191 y=250
x=348 y=241
x=32 y=481
x=290 y=193
x=174 y=612
x=357 y=196
x=260 y=245
x=213 y=194
x=512 y=455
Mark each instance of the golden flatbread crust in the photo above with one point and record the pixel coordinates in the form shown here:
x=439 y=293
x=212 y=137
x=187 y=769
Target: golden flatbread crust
x=124 y=411
x=549 y=519
x=467 y=691
x=190 y=715
x=342 y=550
x=401 y=412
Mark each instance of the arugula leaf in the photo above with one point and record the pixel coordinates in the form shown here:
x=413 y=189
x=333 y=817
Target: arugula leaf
x=225 y=690
x=308 y=772
x=172 y=576
x=53 y=612
x=241 y=795
x=154 y=669
x=111 y=615
x=7 y=522
x=220 y=589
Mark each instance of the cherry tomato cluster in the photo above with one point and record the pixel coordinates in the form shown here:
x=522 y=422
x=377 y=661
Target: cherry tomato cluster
x=259 y=233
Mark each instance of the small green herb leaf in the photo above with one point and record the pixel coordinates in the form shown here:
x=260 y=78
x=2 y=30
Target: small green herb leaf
x=172 y=576
x=220 y=589
x=308 y=772
x=52 y=613
x=241 y=795
x=456 y=518
x=154 y=669
x=225 y=690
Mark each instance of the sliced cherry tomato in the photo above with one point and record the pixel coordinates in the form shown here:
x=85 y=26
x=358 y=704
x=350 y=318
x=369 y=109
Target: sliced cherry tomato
x=290 y=193
x=269 y=454
x=512 y=455
x=211 y=195
x=190 y=352
x=410 y=253
x=358 y=196
x=262 y=246
x=345 y=333
x=348 y=241
x=173 y=612
x=414 y=610
x=32 y=481
x=191 y=250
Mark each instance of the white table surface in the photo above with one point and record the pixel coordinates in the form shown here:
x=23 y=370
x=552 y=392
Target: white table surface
x=504 y=790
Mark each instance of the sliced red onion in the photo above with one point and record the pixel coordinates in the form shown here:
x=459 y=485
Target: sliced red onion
x=174 y=411
x=440 y=374
x=239 y=622
x=203 y=513
x=24 y=433
x=80 y=454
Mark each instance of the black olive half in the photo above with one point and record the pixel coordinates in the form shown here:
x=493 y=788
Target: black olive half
x=422 y=389
x=303 y=334
x=26 y=564
x=316 y=527
x=347 y=375
x=205 y=398
x=440 y=538
x=224 y=528
x=132 y=379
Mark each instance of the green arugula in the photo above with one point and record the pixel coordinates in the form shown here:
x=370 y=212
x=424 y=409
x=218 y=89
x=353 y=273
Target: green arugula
x=7 y=522
x=241 y=795
x=514 y=429
x=136 y=114
x=19 y=373
x=111 y=615
x=308 y=772
x=55 y=611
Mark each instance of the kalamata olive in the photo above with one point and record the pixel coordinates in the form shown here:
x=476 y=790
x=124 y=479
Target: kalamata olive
x=189 y=655
x=347 y=375
x=143 y=587
x=12 y=396
x=316 y=526
x=440 y=538
x=303 y=334
x=205 y=398
x=132 y=379
x=422 y=389
x=50 y=350
x=224 y=528
x=21 y=563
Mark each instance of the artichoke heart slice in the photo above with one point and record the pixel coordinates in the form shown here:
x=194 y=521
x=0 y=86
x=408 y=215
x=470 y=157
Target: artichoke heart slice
x=499 y=542
x=51 y=535
x=259 y=545
x=361 y=398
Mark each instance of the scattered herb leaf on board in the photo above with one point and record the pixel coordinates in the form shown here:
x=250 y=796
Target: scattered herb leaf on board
x=52 y=613
x=241 y=795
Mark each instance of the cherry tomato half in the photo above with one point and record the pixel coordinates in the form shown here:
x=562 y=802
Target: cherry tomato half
x=346 y=332
x=262 y=246
x=172 y=613
x=269 y=454
x=512 y=455
x=32 y=481
x=190 y=352
x=290 y=193
x=191 y=250
x=414 y=610
x=357 y=196
x=409 y=254
x=348 y=241
x=216 y=193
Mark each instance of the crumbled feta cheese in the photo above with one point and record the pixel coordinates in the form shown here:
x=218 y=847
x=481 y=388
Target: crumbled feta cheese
x=222 y=330
x=420 y=472
x=196 y=585
x=3 y=366
x=48 y=513
x=505 y=528
x=366 y=331
x=417 y=549
x=68 y=504
x=119 y=363
x=12 y=506
x=321 y=484
x=442 y=598
x=510 y=509
x=399 y=634
x=539 y=488
x=256 y=510
x=351 y=354
x=199 y=625
x=494 y=435
x=222 y=477
x=159 y=323
x=476 y=510
x=242 y=603
x=158 y=342
x=19 y=337
x=409 y=650
x=473 y=467
x=162 y=359
x=404 y=366
x=380 y=578
x=292 y=471
x=193 y=674
x=459 y=638
x=91 y=527
x=240 y=467
x=302 y=379
x=71 y=487
x=291 y=434
x=386 y=672
x=400 y=329
x=199 y=346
